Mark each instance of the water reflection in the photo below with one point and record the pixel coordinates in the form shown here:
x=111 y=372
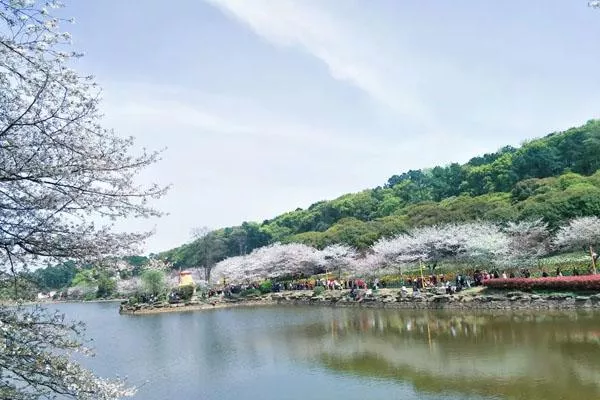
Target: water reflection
x=511 y=355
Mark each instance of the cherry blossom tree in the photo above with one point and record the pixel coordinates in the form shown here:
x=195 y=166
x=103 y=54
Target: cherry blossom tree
x=471 y=242
x=371 y=265
x=270 y=262
x=338 y=257
x=580 y=233
x=64 y=181
x=529 y=241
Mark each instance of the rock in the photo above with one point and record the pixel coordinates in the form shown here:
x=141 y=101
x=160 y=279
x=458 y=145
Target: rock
x=535 y=297
x=441 y=298
x=582 y=298
x=488 y=299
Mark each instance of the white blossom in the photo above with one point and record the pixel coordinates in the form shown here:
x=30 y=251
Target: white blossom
x=64 y=181
x=270 y=262
x=579 y=233
x=469 y=242
x=338 y=257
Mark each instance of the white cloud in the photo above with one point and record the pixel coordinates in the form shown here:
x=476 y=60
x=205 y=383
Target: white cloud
x=348 y=55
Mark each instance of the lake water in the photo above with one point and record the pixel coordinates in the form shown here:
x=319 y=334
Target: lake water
x=327 y=353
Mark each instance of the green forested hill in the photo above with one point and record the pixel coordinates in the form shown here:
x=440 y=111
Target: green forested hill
x=553 y=178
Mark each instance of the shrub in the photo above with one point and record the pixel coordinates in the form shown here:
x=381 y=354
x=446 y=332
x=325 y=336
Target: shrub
x=186 y=292
x=318 y=290
x=106 y=287
x=153 y=281
x=266 y=287
x=89 y=296
x=566 y=283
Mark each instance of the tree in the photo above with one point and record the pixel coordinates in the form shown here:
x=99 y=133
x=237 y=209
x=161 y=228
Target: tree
x=153 y=281
x=580 y=233
x=106 y=286
x=337 y=257
x=61 y=175
x=207 y=248
x=270 y=262
x=479 y=242
x=529 y=240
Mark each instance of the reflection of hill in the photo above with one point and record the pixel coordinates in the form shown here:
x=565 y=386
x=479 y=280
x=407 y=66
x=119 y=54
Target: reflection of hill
x=523 y=356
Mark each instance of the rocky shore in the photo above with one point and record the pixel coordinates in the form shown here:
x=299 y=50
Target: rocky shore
x=384 y=298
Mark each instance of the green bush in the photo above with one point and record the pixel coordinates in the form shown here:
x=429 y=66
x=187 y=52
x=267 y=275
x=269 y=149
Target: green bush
x=153 y=282
x=266 y=287
x=89 y=296
x=106 y=287
x=318 y=290
x=186 y=292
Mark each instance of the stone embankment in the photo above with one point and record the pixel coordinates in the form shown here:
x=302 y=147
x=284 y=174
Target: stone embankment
x=385 y=298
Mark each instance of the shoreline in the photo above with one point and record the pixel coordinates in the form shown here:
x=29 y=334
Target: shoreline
x=387 y=299
x=51 y=302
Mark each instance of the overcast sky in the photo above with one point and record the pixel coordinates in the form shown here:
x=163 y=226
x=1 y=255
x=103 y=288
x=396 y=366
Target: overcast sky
x=269 y=105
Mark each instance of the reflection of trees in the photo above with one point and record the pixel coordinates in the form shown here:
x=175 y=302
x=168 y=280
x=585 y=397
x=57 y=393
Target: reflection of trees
x=516 y=355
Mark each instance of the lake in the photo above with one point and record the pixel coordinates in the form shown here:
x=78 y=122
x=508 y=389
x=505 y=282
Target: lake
x=328 y=353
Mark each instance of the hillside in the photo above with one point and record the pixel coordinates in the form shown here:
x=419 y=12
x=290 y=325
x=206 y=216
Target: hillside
x=554 y=178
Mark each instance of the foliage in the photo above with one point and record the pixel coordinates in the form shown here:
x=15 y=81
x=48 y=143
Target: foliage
x=266 y=287
x=318 y=290
x=55 y=277
x=186 y=292
x=106 y=286
x=153 y=282
x=85 y=277
x=562 y=283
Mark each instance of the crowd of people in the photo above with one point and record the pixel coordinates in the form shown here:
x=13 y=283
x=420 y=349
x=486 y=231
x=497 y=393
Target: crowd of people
x=452 y=284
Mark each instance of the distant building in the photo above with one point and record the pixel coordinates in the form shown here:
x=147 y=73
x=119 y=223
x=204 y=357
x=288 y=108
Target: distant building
x=185 y=278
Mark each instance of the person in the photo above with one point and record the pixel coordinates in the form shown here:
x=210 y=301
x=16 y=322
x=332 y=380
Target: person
x=503 y=275
x=558 y=272
x=403 y=291
x=544 y=274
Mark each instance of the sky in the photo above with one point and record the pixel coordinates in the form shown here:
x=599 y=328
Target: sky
x=264 y=106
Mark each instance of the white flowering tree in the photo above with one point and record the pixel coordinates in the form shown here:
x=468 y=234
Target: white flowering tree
x=338 y=257
x=484 y=243
x=269 y=262
x=529 y=241
x=61 y=175
x=579 y=233
x=371 y=265
x=471 y=242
